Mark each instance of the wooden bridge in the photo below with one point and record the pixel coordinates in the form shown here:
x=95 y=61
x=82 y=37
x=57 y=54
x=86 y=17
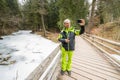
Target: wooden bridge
x=89 y=63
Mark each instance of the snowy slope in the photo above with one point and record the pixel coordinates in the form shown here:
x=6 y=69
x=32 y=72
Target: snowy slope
x=29 y=50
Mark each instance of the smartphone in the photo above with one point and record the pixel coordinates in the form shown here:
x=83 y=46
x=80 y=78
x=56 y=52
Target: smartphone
x=79 y=21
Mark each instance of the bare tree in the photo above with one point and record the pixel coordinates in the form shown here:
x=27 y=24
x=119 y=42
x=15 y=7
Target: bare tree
x=91 y=23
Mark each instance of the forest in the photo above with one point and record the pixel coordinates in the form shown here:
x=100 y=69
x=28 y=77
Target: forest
x=102 y=16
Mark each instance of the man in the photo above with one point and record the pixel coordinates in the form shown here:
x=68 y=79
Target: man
x=67 y=38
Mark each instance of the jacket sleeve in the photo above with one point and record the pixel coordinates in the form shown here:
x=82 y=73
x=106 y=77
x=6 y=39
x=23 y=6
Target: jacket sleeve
x=60 y=38
x=80 y=31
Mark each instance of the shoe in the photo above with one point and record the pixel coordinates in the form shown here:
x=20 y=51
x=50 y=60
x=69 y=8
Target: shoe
x=69 y=73
x=62 y=72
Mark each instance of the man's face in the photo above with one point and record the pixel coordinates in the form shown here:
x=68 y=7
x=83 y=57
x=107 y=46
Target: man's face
x=67 y=25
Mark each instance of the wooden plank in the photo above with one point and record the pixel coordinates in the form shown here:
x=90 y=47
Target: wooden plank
x=95 y=64
x=64 y=77
x=91 y=60
x=79 y=76
x=90 y=76
x=102 y=73
x=115 y=62
x=89 y=64
x=56 y=72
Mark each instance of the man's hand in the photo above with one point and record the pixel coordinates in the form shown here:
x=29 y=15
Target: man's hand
x=82 y=22
x=67 y=40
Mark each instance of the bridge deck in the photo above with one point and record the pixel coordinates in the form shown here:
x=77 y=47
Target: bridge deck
x=89 y=64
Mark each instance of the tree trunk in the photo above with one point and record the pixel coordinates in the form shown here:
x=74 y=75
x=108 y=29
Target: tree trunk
x=3 y=27
x=43 y=25
x=91 y=23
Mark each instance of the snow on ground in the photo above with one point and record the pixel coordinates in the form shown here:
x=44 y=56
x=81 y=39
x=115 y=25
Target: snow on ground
x=29 y=50
x=116 y=56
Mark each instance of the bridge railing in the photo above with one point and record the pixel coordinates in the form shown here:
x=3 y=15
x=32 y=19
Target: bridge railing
x=107 y=47
x=48 y=69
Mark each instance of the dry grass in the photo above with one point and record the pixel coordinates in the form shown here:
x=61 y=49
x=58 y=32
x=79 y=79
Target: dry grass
x=109 y=30
x=50 y=35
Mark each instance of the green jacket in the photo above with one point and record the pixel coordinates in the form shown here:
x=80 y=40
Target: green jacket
x=70 y=34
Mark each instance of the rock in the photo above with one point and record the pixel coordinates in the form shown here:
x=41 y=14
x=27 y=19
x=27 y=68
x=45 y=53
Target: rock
x=1 y=38
x=4 y=60
x=7 y=62
x=4 y=63
x=12 y=61
x=0 y=56
x=1 y=59
x=6 y=57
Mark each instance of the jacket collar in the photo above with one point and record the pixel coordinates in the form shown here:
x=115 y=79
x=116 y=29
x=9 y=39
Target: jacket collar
x=69 y=29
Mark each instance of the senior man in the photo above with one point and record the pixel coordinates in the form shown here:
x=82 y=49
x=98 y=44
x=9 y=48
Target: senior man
x=67 y=38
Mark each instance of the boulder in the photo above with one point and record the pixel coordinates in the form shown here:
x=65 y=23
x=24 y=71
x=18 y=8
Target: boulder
x=1 y=38
x=6 y=57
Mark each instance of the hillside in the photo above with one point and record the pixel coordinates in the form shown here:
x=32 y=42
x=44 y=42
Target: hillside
x=110 y=30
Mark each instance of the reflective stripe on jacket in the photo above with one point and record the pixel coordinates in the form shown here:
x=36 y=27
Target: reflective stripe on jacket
x=69 y=34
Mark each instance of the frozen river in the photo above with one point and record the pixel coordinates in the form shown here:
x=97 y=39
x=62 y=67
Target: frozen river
x=29 y=50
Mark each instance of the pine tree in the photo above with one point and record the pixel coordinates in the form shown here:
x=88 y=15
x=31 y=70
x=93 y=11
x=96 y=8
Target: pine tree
x=72 y=9
x=9 y=14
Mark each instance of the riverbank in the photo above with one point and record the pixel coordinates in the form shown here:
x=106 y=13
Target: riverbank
x=29 y=50
x=49 y=35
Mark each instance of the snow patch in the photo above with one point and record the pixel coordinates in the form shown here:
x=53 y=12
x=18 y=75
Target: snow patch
x=29 y=50
x=116 y=56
